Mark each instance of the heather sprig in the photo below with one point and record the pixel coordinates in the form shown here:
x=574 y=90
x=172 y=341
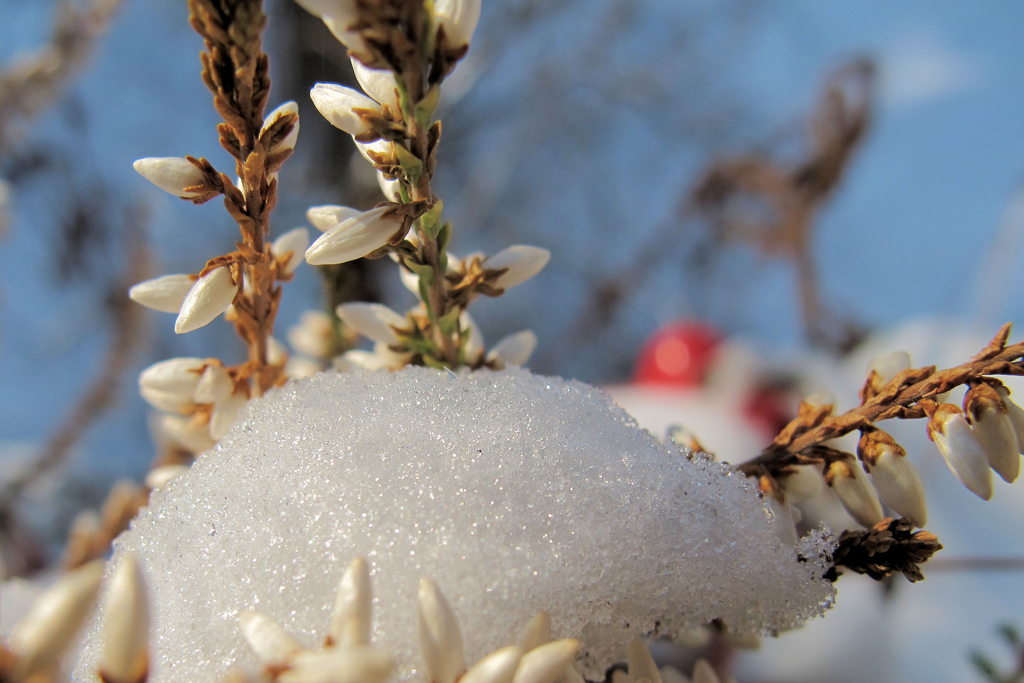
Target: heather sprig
x=401 y=53
x=986 y=433
x=202 y=397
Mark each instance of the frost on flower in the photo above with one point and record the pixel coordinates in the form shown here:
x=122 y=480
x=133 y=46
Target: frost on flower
x=514 y=492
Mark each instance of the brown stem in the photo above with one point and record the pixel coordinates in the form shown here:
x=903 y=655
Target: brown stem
x=807 y=279
x=901 y=398
x=236 y=71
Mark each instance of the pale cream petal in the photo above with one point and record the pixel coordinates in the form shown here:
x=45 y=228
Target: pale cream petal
x=439 y=635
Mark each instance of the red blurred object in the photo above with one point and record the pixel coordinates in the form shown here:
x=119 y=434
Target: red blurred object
x=769 y=407
x=679 y=354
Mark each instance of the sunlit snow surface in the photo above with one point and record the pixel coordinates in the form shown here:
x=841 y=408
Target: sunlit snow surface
x=514 y=492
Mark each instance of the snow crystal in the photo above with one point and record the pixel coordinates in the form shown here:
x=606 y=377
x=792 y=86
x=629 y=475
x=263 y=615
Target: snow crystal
x=514 y=492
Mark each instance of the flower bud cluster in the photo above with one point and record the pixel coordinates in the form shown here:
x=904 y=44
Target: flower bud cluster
x=391 y=122
x=393 y=336
x=242 y=285
x=350 y=655
x=987 y=435
x=200 y=398
x=40 y=641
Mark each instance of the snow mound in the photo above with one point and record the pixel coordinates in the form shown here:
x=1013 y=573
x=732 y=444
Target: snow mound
x=514 y=492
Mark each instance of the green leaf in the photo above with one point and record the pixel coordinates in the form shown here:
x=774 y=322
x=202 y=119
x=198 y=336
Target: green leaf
x=403 y=98
x=434 y=363
x=426 y=107
x=425 y=298
x=449 y=322
x=443 y=235
x=431 y=220
x=412 y=166
x=424 y=271
x=419 y=345
x=429 y=22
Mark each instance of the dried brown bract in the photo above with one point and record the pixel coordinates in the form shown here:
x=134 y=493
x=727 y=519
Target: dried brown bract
x=91 y=535
x=988 y=434
x=889 y=546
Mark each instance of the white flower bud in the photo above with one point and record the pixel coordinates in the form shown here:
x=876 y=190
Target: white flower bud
x=898 y=483
x=188 y=433
x=889 y=365
x=537 y=632
x=313 y=334
x=336 y=103
x=390 y=188
x=171 y=384
x=339 y=665
x=440 y=638
x=338 y=24
x=271 y=644
x=381 y=147
x=379 y=84
x=521 y=261
x=44 y=634
x=410 y=280
x=323 y=218
x=295 y=242
x=332 y=8
x=820 y=399
x=357 y=359
x=158 y=477
x=214 y=385
x=209 y=297
x=171 y=174
x=497 y=667
x=546 y=663
x=961 y=449
x=990 y=419
x=392 y=360
x=459 y=18
x=375 y=321
x=1016 y=415
x=276 y=353
x=354 y=238
x=125 y=655
x=293 y=136
x=851 y=486
x=801 y=483
x=164 y=294
x=298 y=367
x=225 y=414
x=474 y=340
x=703 y=673
x=514 y=349
x=640 y=664
x=353 y=606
